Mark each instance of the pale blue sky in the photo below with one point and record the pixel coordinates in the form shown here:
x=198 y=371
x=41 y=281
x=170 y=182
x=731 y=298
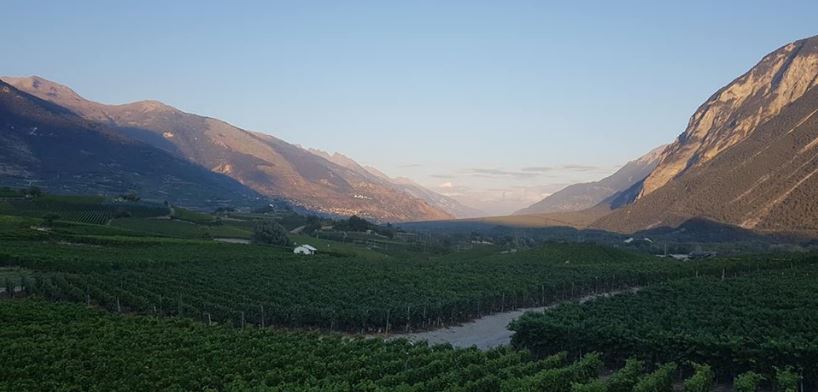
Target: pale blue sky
x=469 y=93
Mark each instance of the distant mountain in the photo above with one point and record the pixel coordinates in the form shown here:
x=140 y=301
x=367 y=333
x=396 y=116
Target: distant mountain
x=47 y=145
x=261 y=162
x=586 y=195
x=749 y=156
x=405 y=185
x=443 y=202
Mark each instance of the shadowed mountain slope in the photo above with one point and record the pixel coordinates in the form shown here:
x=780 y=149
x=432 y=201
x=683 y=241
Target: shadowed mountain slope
x=261 y=162
x=44 y=144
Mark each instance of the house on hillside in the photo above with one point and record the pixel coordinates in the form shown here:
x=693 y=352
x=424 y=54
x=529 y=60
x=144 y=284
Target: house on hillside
x=305 y=250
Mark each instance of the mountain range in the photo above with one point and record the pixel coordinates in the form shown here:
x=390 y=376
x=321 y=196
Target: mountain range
x=748 y=158
x=586 y=195
x=403 y=184
x=45 y=144
x=260 y=163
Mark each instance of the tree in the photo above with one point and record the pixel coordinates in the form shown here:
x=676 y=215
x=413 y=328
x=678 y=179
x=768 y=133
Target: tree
x=270 y=233
x=313 y=225
x=357 y=223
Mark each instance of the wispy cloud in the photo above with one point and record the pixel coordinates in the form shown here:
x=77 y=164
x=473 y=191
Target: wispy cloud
x=582 y=168
x=538 y=169
x=494 y=173
x=442 y=176
x=570 y=167
x=410 y=165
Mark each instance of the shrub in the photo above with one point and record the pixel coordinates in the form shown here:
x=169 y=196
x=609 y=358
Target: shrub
x=747 y=382
x=701 y=380
x=624 y=379
x=786 y=380
x=661 y=380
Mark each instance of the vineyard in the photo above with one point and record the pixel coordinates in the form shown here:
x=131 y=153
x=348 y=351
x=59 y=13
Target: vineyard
x=243 y=284
x=82 y=209
x=759 y=322
x=111 y=280
x=180 y=229
x=50 y=346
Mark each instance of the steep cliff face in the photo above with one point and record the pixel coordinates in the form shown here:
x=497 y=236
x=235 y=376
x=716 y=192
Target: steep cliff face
x=735 y=111
x=749 y=157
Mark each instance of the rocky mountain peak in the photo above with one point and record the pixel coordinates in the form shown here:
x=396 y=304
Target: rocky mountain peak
x=733 y=112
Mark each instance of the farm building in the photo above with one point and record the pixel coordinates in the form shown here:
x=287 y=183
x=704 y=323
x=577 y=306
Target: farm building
x=305 y=250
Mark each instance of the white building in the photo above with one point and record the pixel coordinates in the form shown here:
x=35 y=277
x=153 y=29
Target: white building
x=305 y=250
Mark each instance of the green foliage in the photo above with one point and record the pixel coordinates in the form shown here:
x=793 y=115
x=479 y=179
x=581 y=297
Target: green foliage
x=786 y=379
x=83 y=209
x=270 y=233
x=9 y=192
x=593 y=386
x=626 y=378
x=180 y=229
x=9 y=286
x=701 y=380
x=747 y=382
x=558 y=379
x=354 y=223
x=751 y=322
x=661 y=380
x=352 y=293
x=49 y=346
x=193 y=216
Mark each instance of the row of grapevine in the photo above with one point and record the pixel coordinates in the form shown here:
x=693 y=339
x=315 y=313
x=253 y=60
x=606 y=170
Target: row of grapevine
x=49 y=346
x=763 y=322
x=359 y=295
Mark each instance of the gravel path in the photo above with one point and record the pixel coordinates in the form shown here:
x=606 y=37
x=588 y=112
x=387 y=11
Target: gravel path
x=488 y=331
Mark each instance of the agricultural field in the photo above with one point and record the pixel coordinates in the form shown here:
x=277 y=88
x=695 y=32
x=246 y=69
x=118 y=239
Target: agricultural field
x=237 y=284
x=233 y=312
x=182 y=229
x=81 y=209
x=760 y=322
x=51 y=346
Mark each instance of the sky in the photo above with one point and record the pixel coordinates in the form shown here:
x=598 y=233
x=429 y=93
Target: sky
x=496 y=103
